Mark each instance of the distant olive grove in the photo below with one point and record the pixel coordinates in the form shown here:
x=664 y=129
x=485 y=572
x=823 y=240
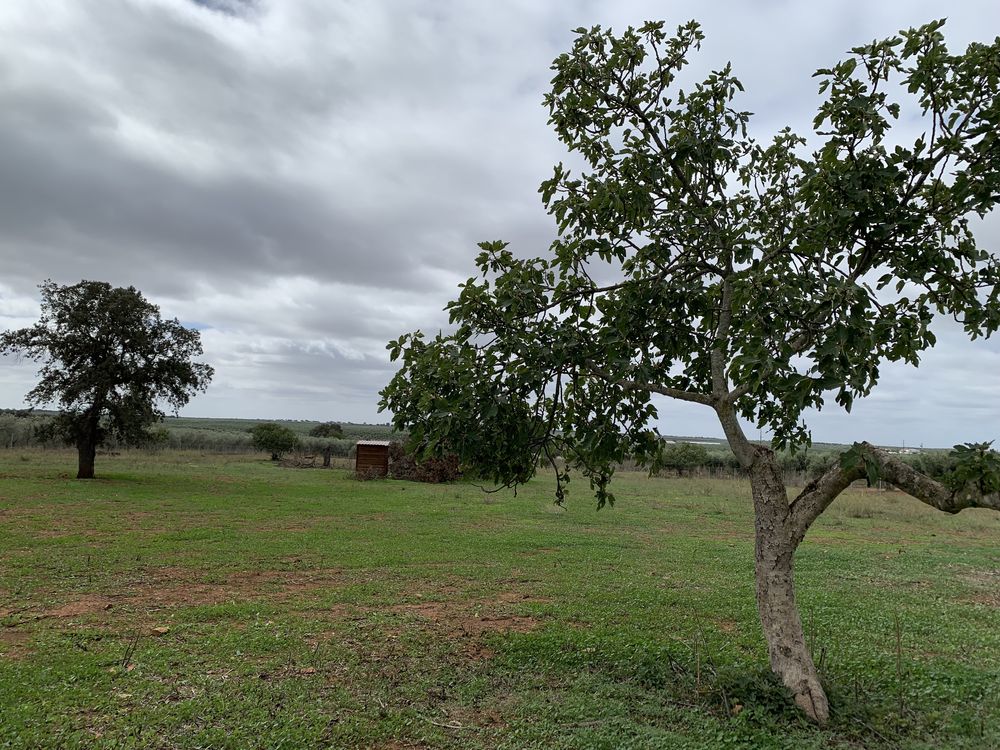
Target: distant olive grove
x=693 y=459
x=21 y=429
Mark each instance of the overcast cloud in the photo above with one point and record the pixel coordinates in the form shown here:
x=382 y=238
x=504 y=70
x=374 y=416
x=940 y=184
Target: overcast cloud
x=307 y=179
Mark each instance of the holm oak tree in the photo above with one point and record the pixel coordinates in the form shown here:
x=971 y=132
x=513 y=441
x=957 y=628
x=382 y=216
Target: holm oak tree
x=109 y=362
x=759 y=279
x=327 y=430
x=273 y=438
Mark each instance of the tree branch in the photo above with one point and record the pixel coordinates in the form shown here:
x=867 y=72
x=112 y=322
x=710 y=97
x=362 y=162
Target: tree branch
x=720 y=344
x=743 y=449
x=818 y=494
x=681 y=395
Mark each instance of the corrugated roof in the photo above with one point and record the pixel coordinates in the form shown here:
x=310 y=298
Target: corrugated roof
x=374 y=442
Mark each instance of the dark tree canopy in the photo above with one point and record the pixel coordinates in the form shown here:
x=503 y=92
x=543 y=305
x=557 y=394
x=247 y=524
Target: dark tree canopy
x=683 y=456
x=696 y=262
x=110 y=363
x=274 y=439
x=327 y=430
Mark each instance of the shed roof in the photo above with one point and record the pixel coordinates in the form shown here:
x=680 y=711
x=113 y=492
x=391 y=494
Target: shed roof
x=375 y=442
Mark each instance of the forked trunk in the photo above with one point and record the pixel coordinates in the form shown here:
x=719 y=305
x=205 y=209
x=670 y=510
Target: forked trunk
x=87 y=449
x=775 y=551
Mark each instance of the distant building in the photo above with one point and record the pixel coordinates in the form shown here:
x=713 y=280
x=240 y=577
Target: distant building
x=372 y=457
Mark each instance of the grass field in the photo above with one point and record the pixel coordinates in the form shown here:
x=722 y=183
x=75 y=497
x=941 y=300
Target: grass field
x=190 y=601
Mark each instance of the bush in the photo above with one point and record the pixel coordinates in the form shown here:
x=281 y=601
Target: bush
x=434 y=470
x=684 y=457
x=327 y=430
x=274 y=439
x=16 y=431
x=368 y=474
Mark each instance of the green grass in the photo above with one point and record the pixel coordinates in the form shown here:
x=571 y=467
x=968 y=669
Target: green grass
x=190 y=601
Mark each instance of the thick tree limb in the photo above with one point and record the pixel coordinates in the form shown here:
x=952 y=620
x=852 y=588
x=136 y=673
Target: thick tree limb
x=742 y=448
x=720 y=385
x=681 y=395
x=818 y=494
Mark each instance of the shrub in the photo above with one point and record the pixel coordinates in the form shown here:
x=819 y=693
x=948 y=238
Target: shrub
x=368 y=473
x=327 y=430
x=274 y=439
x=684 y=457
x=434 y=470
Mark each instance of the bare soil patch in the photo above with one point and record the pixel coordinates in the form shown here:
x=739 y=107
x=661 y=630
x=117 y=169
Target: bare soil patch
x=56 y=533
x=989 y=598
x=166 y=588
x=87 y=605
x=76 y=519
x=446 y=610
x=468 y=716
x=13 y=643
x=469 y=622
x=987 y=583
x=173 y=587
x=296 y=524
x=459 y=618
x=989 y=578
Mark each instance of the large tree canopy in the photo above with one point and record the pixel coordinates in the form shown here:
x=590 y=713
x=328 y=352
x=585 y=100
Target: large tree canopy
x=110 y=363
x=695 y=262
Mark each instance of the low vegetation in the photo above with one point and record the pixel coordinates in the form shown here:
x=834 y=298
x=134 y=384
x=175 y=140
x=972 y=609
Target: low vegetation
x=26 y=428
x=185 y=600
x=404 y=465
x=273 y=438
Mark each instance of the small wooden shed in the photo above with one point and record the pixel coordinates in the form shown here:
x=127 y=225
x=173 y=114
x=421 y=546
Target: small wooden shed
x=372 y=457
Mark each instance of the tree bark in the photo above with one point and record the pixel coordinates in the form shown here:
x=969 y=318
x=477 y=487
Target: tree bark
x=781 y=526
x=818 y=494
x=776 y=539
x=775 y=547
x=87 y=449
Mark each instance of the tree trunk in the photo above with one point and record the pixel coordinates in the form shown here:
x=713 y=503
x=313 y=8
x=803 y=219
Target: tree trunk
x=87 y=449
x=775 y=550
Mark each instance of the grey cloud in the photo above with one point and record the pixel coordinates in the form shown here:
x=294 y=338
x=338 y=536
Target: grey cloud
x=371 y=216
x=235 y=8
x=295 y=380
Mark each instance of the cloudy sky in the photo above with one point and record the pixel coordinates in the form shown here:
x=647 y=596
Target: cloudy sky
x=306 y=179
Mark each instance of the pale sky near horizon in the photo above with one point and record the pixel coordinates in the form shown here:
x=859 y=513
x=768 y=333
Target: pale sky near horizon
x=304 y=180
